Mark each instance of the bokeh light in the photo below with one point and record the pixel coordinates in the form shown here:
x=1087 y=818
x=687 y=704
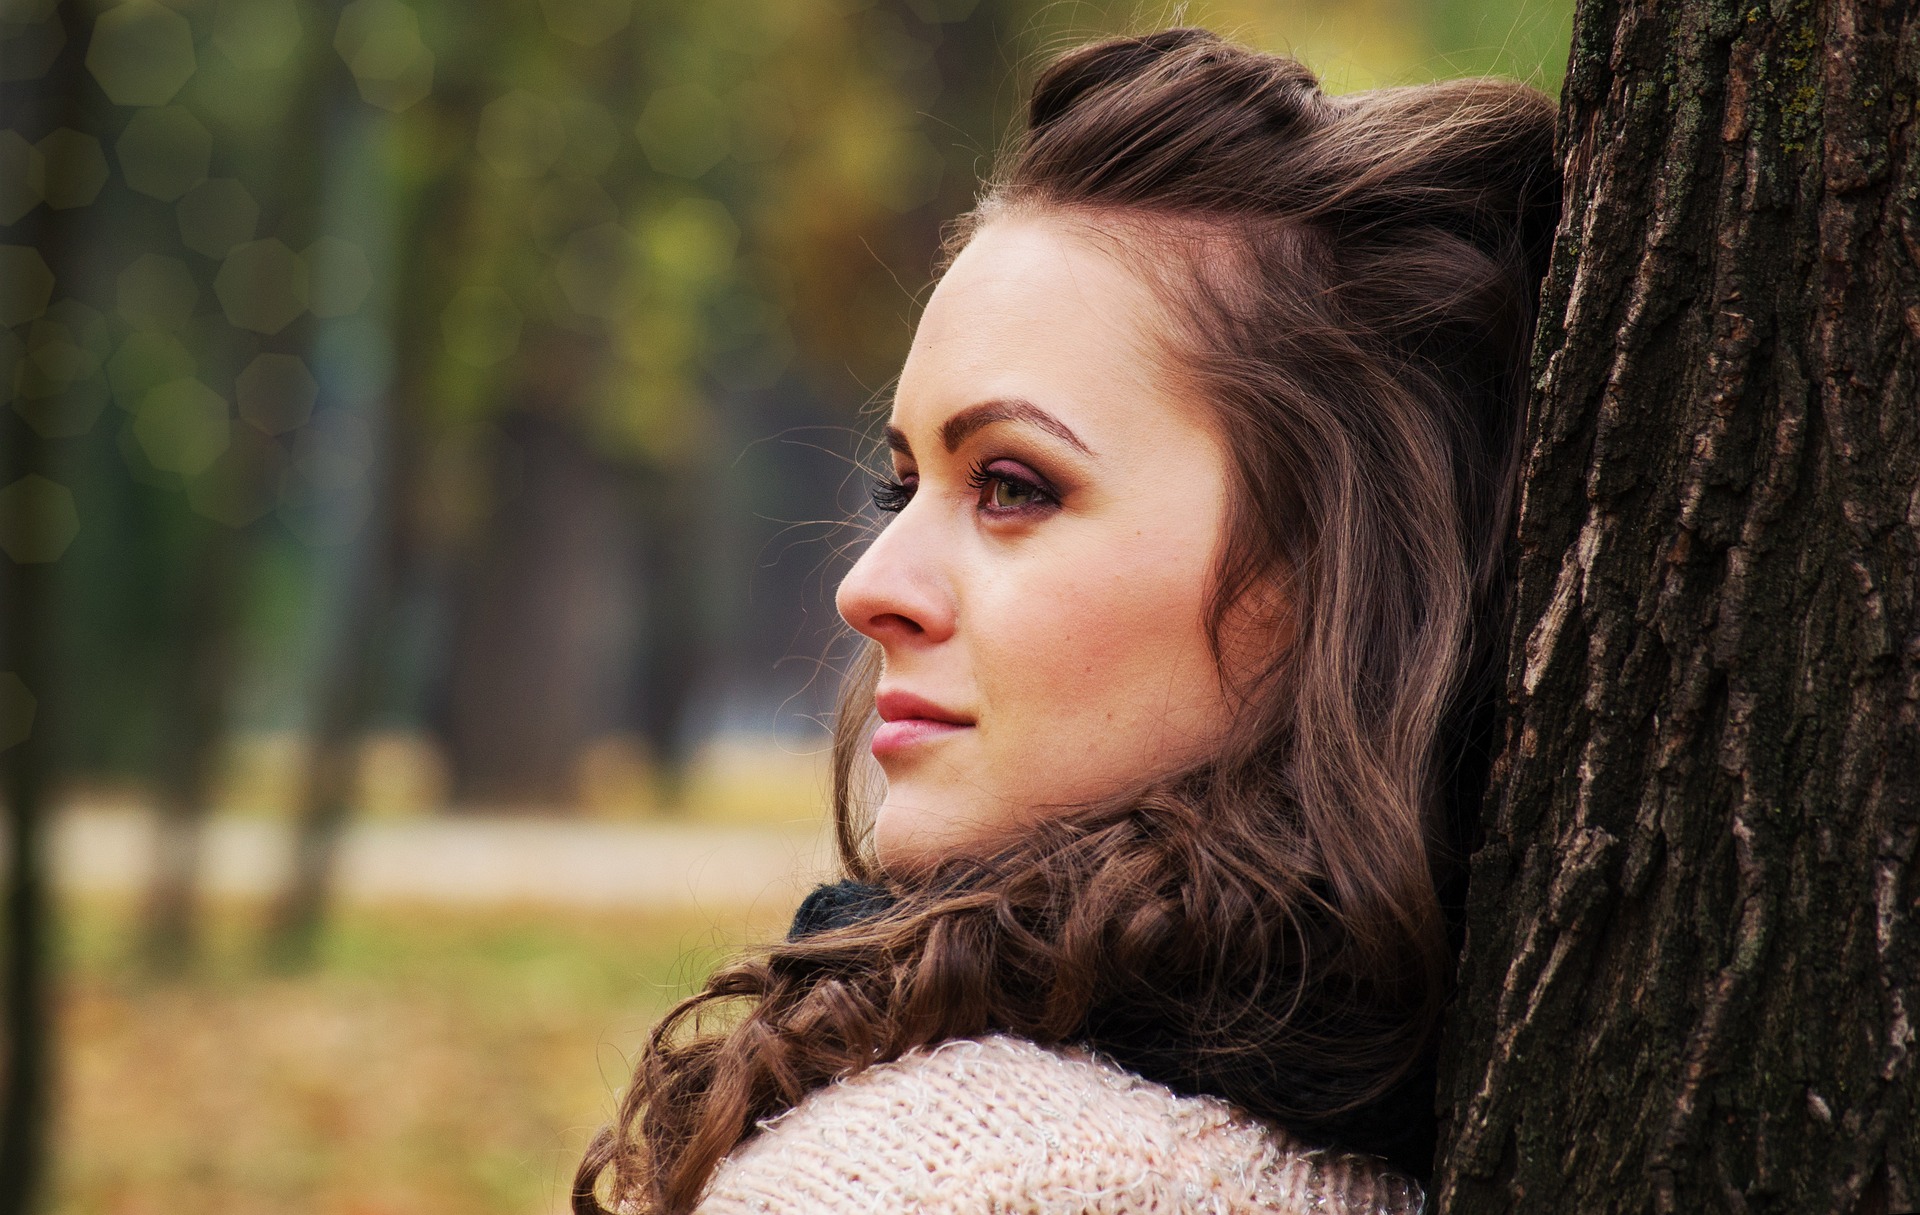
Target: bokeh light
x=913 y=174
x=693 y=241
x=143 y=362
x=481 y=326
x=156 y=292
x=13 y=353
x=76 y=168
x=762 y=122
x=33 y=40
x=87 y=327
x=521 y=134
x=336 y=453
x=141 y=53
x=65 y=414
x=276 y=393
x=164 y=152
x=587 y=22
x=254 y=104
x=27 y=12
x=592 y=270
x=593 y=137
x=256 y=35
x=59 y=386
x=380 y=42
x=38 y=520
x=216 y=215
x=323 y=492
x=182 y=426
x=942 y=11
x=683 y=131
x=26 y=284
x=905 y=56
x=23 y=177
x=338 y=277
x=320 y=518
x=751 y=346
x=565 y=205
x=262 y=286
x=54 y=359
x=242 y=483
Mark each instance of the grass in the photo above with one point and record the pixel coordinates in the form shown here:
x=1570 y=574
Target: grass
x=434 y=1061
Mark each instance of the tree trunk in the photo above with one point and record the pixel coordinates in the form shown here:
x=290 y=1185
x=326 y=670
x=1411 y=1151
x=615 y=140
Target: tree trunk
x=1692 y=971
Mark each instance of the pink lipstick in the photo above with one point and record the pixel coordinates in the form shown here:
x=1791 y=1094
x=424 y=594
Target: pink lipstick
x=908 y=720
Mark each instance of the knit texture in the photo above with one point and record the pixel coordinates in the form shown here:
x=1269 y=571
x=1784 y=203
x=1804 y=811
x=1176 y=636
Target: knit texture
x=999 y=1125
x=1399 y=1125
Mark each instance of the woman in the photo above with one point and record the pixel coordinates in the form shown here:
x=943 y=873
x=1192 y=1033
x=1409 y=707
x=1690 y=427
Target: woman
x=1182 y=635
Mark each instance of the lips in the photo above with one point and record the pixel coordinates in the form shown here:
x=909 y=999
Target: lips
x=909 y=720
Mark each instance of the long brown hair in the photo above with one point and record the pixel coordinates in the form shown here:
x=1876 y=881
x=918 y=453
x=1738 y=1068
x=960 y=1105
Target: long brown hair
x=1350 y=284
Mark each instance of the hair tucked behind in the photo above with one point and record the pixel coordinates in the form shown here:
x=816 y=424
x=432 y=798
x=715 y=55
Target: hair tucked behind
x=1351 y=285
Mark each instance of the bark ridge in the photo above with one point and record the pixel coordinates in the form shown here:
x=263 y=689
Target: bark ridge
x=1692 y=973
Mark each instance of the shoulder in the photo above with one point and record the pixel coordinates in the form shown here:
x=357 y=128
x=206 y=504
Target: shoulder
x=1000 y=1124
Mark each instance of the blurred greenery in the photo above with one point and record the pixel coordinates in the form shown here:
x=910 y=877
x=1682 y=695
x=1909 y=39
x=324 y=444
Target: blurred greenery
x=546 y=325
x=420 y=404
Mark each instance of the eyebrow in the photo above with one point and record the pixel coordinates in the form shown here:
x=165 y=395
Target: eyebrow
x=956 y=429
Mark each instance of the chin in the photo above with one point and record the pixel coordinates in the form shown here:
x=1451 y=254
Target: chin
x=906 y=839
x=911 y=835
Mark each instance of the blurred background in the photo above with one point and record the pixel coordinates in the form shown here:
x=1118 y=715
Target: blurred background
x=432 y=435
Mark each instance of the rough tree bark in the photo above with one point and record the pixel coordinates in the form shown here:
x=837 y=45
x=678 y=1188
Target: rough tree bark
x=1693 y=971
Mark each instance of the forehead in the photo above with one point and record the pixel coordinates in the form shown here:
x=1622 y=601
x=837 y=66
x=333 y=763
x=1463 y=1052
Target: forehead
x=1033 y=308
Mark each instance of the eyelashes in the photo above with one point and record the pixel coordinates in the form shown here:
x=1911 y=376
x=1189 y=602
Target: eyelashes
x=1001 y=490
x=890 y=497
x=1006 y=492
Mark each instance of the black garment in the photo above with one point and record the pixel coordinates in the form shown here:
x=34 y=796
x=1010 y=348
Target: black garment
x=1400 y=1127
x=836 y=906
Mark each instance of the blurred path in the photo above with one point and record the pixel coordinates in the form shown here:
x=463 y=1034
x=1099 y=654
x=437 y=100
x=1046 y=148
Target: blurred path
x=469 y=859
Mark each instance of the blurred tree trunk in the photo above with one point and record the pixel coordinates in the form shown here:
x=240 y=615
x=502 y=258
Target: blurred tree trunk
x=328 y=785
x=547 y=645
x=348 y=674
x=359 y=187
x=190 y=759
x=29 y=701
x=1692 y=969
x=25 y=596
x=207 y=663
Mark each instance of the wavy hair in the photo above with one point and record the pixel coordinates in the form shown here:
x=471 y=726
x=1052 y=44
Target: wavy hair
x=1350 y=283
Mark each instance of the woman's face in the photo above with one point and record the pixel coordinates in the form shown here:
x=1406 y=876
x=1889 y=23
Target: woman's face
x=1040 y=595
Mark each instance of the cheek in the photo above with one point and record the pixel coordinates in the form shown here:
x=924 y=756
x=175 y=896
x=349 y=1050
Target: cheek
x=1097 y=672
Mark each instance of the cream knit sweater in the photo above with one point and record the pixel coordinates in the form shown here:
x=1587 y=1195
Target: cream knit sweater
x=999 y=1126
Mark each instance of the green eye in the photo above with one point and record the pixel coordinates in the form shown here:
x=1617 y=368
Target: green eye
x=1007 y=491
x=1011 y=495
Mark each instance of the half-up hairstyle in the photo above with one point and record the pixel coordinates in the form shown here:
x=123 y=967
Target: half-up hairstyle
x=1350 y=285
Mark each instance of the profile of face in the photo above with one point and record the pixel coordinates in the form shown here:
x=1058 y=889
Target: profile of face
x=1040 y=594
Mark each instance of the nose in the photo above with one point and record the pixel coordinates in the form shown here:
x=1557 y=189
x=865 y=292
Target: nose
x=897 y=593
